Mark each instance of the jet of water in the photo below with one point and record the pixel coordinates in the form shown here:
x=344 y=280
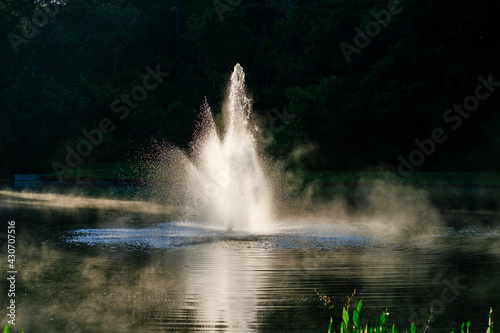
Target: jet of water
x=224 y=172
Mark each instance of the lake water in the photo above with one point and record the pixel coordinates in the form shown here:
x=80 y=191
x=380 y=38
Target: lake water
x=96 y=269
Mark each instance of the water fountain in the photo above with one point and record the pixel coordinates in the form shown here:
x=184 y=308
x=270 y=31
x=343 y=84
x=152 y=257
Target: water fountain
x=223 y=173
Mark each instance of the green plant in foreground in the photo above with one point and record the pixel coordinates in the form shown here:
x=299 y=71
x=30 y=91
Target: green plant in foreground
x=357 y=325
x=6 y=329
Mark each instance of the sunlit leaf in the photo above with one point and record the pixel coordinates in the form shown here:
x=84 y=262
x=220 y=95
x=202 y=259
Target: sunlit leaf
x=355 y=318
x=345 y=316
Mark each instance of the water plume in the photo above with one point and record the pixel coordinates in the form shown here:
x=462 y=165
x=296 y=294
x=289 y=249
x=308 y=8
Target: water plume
x=222 y=177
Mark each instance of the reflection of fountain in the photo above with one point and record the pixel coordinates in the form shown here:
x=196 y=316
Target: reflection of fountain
x=227 y=285
x=224 y=173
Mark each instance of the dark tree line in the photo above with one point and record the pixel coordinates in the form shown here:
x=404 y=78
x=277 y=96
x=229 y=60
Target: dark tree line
x=73 y=61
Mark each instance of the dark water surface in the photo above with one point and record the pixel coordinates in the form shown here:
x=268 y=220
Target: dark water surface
x=109 y=270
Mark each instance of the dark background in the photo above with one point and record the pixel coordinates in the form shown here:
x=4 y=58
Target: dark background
x=360 y=115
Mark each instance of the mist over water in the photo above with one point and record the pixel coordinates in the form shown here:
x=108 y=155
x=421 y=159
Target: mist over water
x=224 y=182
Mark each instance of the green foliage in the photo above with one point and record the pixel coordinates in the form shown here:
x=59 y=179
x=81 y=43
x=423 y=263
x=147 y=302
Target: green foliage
x=379 y=323
x=358 y=315
x=6 y=329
